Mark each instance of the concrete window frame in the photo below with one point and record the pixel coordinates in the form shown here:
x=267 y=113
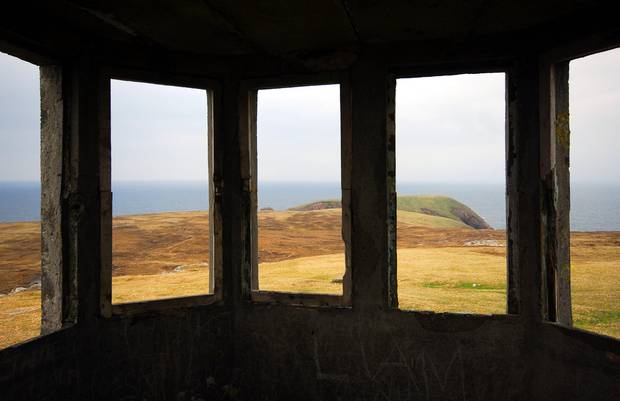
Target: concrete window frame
x=215 y=171
x=554 y=74
x=537 y=183
x=247 y=135
x=58 y=277
x=428 y=71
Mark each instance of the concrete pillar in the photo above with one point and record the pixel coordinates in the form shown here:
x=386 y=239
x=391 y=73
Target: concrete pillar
x=86 y=189
x=368 y=108
x=560 y=133
x=230 y=138
x=537 y=198
x=76 y=197
x=55 y=308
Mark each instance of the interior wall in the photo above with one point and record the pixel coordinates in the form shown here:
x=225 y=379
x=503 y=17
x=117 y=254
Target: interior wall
x=318 y=354
x=174 y=356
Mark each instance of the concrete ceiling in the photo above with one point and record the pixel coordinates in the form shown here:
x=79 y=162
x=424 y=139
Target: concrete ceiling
x=228 y=27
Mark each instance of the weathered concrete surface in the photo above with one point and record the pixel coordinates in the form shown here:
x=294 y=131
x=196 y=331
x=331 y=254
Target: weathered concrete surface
x=572 y=364
x=52 y=272
x=176 y=356
x=298 y=353
x=44 y=368
x=287 y=353
x=313 y=354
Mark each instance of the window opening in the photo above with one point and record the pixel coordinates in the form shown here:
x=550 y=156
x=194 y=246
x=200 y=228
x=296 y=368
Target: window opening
x=595 y=192
x=160 y=185
x=20 y=201
x=450 y=183
x=300 y=245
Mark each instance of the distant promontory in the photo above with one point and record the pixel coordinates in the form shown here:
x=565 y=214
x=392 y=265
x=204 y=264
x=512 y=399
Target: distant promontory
x=432 y=205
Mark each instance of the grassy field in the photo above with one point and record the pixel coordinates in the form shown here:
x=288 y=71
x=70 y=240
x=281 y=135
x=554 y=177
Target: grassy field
x=443 y=265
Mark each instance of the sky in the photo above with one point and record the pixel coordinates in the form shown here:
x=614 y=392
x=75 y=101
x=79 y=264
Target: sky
x=594 y=96
x=19 y=120
x=298 y=134
x=159 y=133
x=448 y=129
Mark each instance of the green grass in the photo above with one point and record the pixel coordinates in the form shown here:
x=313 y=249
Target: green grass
x=465 y=286
x=426 y=220
x=442 y=205
x=437 y=206
x=438 y=210
x=598 y=318
x=318 y=205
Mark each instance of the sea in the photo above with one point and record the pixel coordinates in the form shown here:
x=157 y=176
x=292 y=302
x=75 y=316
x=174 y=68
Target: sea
x=594 y=206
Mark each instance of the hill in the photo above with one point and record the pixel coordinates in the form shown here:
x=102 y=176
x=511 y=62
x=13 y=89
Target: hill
x=442 y=206
x=432 y=205
x=318 y=205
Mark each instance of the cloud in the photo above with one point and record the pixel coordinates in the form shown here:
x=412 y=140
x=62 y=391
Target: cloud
x=19 y=120
x=594 y=87
x=298 y=134
x=159 y=133
x=448 y=128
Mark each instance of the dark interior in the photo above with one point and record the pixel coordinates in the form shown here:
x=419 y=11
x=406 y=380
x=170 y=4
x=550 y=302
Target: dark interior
x=235 y=344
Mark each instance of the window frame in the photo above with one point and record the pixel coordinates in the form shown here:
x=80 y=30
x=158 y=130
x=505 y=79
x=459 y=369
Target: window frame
x=453 y=69
x=556 y=69
x=58 y=313
x=249 y=161
x=215 y=184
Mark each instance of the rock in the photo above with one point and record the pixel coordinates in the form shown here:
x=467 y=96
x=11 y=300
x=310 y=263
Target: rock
x=470 y=218
x=35 y=282
x=484 y=242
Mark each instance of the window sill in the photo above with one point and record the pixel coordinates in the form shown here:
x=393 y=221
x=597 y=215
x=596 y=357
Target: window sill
x=290 y=298
x=132 y=308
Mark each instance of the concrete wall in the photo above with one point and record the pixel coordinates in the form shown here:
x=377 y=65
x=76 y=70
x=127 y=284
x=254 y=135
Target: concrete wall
x=302 y=354
x=295 y=353
x=274 y=352
x=173 y=357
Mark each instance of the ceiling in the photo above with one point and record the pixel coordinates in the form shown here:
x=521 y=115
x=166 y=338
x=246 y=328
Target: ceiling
x=280 y=27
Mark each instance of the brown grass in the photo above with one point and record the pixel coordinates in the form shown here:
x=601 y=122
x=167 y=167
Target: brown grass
x=165 y=255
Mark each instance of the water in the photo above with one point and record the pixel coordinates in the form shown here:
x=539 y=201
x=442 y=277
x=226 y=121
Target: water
x=20 y=201
x=595 y=207
x=153 y=197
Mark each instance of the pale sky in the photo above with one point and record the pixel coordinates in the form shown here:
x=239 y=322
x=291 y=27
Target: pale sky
x=298 y=134
x=158 y=132
x=449 y=129
x=595 y=117
x=19 y=120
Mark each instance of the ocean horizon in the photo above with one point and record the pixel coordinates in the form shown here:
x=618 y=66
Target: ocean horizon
x=594 y=206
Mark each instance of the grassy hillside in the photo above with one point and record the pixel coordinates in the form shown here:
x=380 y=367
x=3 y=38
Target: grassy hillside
x=443 y=206
x=430 y=205
x=428 y=221
x=318 y=205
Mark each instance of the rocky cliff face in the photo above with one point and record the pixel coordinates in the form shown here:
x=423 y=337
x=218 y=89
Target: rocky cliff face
x=471 y=218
